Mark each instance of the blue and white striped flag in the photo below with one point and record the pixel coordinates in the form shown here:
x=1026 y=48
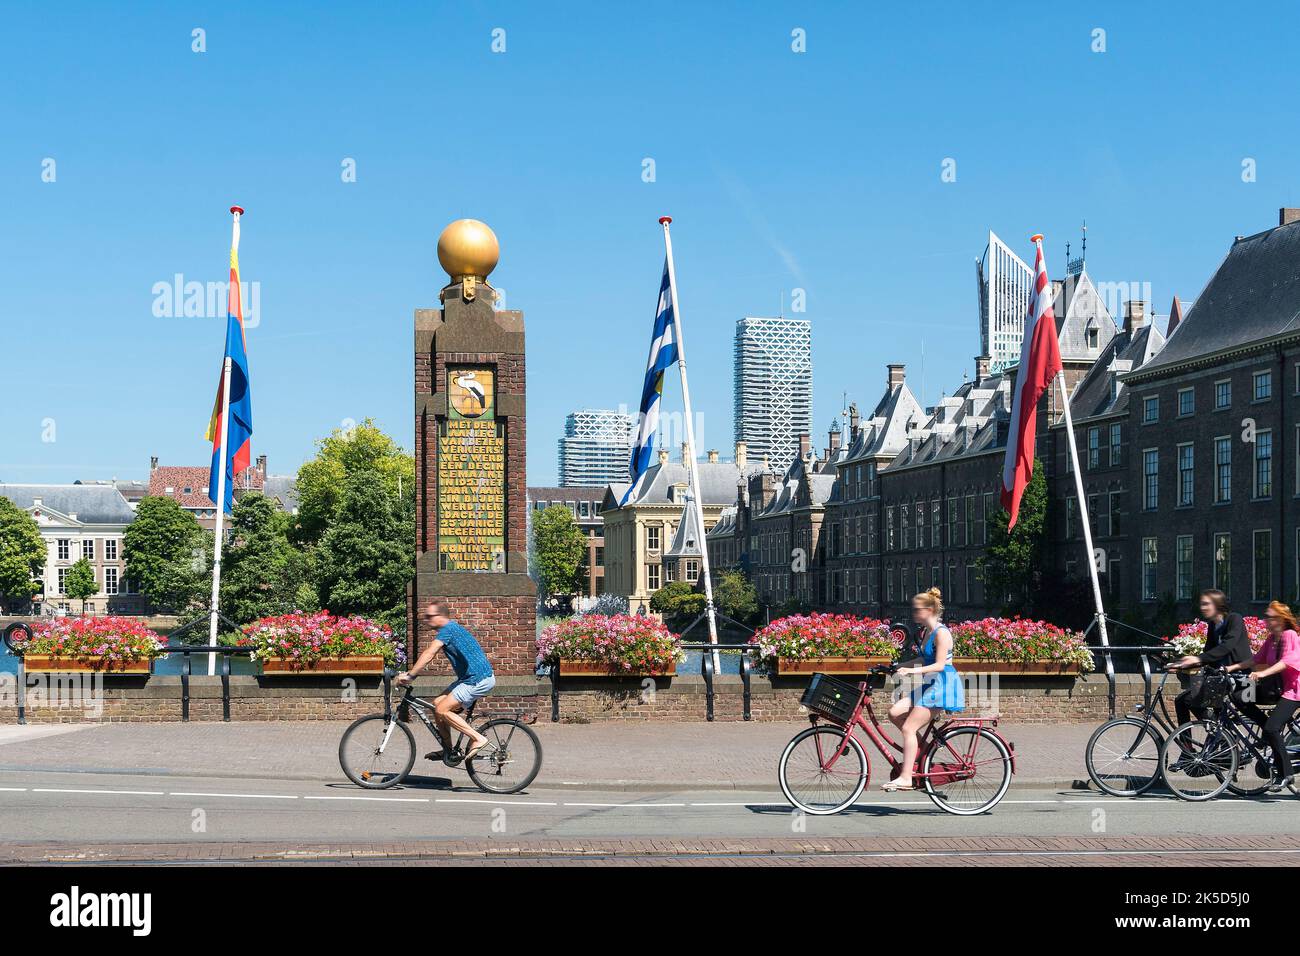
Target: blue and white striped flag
x=663 y=353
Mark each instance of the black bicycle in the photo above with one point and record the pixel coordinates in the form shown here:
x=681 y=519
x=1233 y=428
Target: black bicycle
x=1123 y=755
x=378 y=751
x=1224 y=751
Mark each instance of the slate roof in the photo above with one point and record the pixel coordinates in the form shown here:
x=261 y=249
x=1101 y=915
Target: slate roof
x=885 y=431
x=284 y=489
x=92 y=504
x=688 y=540
x=717 y=482
x=1253 y=295
x=725 y=525
x=1126 y=352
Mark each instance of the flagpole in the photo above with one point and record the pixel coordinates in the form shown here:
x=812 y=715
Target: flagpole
x=220 y=498
x=690 y=444
x=1083 y=501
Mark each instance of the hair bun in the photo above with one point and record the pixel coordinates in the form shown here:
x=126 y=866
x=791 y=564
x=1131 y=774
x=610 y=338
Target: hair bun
x=936 y=592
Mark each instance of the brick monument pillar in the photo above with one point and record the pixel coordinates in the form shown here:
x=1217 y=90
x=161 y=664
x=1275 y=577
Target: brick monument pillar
x=471 y=506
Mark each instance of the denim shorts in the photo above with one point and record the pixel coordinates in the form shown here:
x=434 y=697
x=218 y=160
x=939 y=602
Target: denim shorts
x=466 y=693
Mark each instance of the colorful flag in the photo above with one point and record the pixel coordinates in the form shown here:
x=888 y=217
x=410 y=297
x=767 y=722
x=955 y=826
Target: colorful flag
x=1040 y=362
x=238 y=403
x=663 y=353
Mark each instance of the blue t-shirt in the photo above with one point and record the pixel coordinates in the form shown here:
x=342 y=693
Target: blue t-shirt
x=467 y=658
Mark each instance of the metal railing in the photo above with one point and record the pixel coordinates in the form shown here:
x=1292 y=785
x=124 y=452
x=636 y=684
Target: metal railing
x=1107 y=652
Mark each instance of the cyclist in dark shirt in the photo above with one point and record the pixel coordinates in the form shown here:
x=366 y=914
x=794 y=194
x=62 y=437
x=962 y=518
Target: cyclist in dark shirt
x=1226 y=642
x=474 y=677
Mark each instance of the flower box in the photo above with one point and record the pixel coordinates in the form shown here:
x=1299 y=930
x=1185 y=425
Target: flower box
x=52 y=664
x=828 y=665
x=581 y=668
x=360 y=664
x=617 y=645
x=975 y=665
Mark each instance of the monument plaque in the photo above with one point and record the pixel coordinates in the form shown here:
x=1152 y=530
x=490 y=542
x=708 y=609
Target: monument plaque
x=471 y=507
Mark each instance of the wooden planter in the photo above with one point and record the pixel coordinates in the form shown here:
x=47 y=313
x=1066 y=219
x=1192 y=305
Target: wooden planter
x=579 y=668
x=828 y=665
x=285 y=666
x=50 y=664
x=975 y=665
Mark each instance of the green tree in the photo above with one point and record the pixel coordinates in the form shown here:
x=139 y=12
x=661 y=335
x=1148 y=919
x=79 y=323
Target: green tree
x=79 y=583
x=168 y=554
x=22 y=553
x=367 y=554
x=680 y=604
x=559 y=552
x=735 y=596
x=262 y=573
x=362 y=449
x=1011 y=567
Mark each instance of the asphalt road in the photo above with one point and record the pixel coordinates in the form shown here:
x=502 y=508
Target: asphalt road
x=87 y=808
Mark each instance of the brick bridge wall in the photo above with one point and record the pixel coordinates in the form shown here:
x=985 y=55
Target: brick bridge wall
x=1018 y=699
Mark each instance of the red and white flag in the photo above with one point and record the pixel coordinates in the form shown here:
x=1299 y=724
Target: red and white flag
x=1040 y=362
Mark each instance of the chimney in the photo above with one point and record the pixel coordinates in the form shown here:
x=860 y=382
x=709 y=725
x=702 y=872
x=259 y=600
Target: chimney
x=833 y=438
x=686 y=455
x=1135 y=315
x=853 y=420
x=1287 y=215
x=663 y=456
x=713 y=456
x=261 y=466
x=981 y=368
x=897 y=374
x=153 y=464
x=742 y=456
x=805 y=445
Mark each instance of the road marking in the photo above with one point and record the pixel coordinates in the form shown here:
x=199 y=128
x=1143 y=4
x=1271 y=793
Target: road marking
x=647 y=806
x=136 y=793
x=251 y=796
x=14 y=789
x=382 y=799
x=495 y=803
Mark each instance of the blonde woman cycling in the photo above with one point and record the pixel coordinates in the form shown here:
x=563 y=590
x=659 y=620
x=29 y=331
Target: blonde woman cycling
x=939 y=689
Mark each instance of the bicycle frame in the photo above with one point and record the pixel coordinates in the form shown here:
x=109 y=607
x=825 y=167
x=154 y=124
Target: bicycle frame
x=452 y=755
x=943 y=773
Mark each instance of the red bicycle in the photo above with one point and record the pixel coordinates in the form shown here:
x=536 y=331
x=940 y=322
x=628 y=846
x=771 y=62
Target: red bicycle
x=963 y=763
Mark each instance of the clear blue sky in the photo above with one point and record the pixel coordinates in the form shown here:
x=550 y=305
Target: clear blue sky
x=818 y=170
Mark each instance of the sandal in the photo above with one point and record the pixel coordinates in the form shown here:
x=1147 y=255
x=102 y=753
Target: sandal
x=894 y=786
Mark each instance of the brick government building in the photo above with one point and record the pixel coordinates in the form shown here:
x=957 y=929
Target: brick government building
x=1183 y=440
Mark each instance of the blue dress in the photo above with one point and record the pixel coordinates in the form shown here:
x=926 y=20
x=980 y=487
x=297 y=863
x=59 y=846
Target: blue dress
x=943 y=689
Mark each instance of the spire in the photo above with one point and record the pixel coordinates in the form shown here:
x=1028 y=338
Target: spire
x=1175 y=317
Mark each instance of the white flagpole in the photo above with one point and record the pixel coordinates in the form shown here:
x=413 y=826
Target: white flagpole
x=220 y=497
x=1083 y=502
x=690 y=445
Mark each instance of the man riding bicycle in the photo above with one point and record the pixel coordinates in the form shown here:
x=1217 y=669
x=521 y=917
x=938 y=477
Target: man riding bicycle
x=474 y=677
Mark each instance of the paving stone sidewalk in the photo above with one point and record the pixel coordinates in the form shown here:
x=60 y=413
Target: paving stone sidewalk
x=607 y=756
x=1274 y=850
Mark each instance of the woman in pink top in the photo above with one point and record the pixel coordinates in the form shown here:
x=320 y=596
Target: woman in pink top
x=1279 y=655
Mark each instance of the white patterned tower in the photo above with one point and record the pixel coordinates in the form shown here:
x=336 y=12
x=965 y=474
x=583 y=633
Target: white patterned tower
x=596 y=448
x=773 y=387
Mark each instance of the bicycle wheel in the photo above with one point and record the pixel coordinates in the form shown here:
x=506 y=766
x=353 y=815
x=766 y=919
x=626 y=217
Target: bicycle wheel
x=1123 y=757
x=806 y=782
x=1198 y=760
x=511 y=759
x=990 y=774
x=375 y=753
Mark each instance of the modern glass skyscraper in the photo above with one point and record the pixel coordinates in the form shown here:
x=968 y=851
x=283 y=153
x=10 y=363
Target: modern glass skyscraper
x=773 y=387
x=596 y=448
x=1005 y=285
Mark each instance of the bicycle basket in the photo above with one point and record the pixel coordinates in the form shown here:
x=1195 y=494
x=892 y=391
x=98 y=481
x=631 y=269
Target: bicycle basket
x=1215 y=689
x=834 y=699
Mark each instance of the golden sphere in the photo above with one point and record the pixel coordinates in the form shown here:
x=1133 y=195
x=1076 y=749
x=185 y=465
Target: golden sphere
x=468 y=248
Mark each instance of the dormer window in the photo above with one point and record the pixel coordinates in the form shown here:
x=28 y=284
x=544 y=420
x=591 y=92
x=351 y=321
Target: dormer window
x=1091 y=337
